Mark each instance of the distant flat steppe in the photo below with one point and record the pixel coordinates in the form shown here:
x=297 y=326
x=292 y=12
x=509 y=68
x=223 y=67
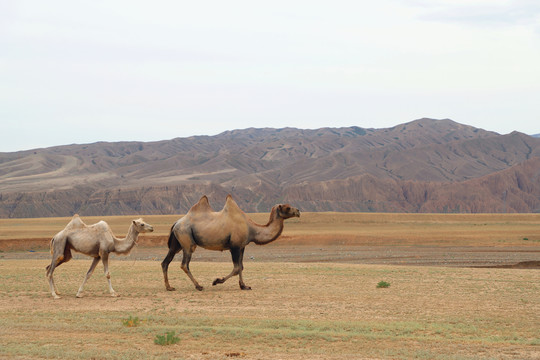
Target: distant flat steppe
x=373 y=238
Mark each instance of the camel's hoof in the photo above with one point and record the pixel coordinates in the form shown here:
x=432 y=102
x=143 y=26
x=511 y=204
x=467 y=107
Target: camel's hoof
x=218 y=281
x=170 y=288
x=79 y=295
x=114 y=295
x=199 y=287
x=56 y=297
x=245 y=287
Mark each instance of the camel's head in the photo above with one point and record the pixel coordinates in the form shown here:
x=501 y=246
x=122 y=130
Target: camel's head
x=142 y=227
x=287 y=211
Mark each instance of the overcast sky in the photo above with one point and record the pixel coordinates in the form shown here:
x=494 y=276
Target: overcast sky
x=87 y=71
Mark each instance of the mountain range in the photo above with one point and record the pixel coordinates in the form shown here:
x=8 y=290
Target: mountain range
x=425 y=165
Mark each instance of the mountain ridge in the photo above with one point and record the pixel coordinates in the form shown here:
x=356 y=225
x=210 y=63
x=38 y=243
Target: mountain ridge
x=261 y=167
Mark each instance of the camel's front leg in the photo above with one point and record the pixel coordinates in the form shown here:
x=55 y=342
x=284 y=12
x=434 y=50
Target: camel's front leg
x=105 y=259
x=241 y=268
x=88 y=274
x=237 y=256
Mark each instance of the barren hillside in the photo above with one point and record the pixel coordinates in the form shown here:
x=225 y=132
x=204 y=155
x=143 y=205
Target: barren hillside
x=421 y=166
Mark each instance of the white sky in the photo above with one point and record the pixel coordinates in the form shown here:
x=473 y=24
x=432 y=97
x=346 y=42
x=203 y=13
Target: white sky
x=86 y=71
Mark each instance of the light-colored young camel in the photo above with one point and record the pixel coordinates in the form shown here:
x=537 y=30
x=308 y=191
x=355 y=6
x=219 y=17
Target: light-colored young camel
x=228 y=229
x=97 y=241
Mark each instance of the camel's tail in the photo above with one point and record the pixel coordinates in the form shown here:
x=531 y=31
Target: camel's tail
x=48 y=270
x=51 y=244
x=172 y=237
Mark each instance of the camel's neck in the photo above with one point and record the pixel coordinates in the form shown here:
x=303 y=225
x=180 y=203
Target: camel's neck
x=124 y=246
x=264 y=234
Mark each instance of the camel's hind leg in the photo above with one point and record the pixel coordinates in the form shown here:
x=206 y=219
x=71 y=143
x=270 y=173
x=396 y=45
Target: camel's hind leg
x=237 y=255
x=165 y=266
x=52 y=285
x=61 y=253
x=185 y=266
x=88 y=274
x=187 y=244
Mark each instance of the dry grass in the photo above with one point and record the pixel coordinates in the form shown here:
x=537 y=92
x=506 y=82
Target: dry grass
x=420 y=229
x=296 y=311
x=340 y=228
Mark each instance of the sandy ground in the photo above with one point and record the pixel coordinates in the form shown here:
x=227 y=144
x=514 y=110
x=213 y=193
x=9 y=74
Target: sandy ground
x=445 y=302
x=462 y=287
x=295 y=311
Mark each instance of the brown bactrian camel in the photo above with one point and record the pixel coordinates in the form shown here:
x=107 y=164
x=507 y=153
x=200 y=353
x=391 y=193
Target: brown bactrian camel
x=95 y=240
x=228 y=229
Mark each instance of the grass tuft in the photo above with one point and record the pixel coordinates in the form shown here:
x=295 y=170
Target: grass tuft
x=168 y=339
x=383 y=284
x=131 y=321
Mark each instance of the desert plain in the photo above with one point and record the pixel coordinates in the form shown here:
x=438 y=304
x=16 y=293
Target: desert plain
x=461 y=286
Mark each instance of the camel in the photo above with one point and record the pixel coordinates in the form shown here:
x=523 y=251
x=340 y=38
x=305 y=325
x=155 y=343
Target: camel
x=229 y=229
x=97 y=241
